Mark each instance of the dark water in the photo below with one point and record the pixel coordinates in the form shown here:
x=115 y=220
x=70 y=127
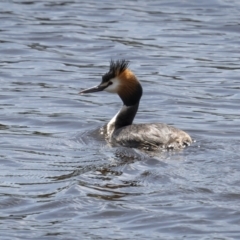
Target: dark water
x=57 y=181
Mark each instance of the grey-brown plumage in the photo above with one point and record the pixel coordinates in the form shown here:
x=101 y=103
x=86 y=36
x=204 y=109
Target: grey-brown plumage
x=120 y=130
x=155 y=136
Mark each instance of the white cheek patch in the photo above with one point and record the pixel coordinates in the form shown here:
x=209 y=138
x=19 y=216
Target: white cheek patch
x=113 y=88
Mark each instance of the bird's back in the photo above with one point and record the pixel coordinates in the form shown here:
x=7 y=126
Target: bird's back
x=151 y=137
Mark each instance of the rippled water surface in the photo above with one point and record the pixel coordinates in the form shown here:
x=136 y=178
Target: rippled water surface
x=58 y=180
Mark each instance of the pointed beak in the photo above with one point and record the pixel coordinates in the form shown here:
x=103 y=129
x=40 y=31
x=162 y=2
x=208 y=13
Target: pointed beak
x=93 y=89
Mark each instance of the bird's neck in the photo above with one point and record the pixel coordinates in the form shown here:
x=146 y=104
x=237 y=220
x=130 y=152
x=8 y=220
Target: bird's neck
x=131 y=97
x=123 y=118
x=126 y=115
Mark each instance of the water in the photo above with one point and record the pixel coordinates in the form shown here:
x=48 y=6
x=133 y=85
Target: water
x=58 y=180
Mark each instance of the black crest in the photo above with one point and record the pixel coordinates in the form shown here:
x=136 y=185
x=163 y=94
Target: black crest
x=115 y=69
x=119 y=66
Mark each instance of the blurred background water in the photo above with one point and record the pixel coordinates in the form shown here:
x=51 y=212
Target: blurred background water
x=57 y=180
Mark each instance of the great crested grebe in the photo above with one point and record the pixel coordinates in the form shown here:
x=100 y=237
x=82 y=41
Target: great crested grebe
x=120 y=130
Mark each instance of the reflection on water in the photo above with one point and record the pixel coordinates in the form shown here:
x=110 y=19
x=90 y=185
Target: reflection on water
x=59 y=179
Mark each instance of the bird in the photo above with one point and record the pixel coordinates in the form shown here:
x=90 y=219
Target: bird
x=120 y=131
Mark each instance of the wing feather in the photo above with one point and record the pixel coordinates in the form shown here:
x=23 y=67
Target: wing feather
x=151 y=136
